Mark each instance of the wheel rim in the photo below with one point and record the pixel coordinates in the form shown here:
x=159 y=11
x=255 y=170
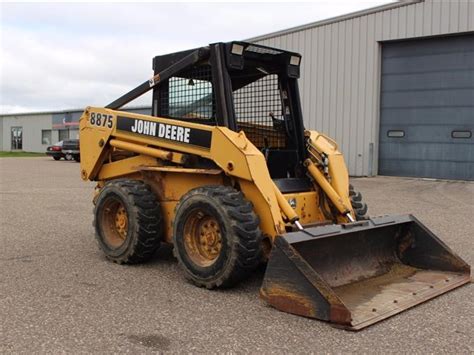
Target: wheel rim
x=202 y=238
x=114 y=221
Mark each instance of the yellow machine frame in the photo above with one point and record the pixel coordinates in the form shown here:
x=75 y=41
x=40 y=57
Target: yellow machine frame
x=160 y=163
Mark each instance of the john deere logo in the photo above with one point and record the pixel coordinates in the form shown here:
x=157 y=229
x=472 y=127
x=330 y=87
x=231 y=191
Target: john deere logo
x=170 y=132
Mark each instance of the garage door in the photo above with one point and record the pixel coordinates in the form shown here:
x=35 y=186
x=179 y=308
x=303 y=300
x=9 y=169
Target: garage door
x=427 y=108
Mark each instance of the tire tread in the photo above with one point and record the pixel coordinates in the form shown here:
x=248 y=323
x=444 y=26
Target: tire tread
x=246 y=252
x=147 y=230
x=360 y=208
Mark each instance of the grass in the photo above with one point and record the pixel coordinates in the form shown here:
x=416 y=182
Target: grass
x=20 y=154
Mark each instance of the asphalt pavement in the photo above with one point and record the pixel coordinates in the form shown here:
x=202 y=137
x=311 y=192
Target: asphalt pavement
x=59 y=294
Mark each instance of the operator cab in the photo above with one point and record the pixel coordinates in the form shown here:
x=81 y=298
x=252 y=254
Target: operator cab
x=245 y=87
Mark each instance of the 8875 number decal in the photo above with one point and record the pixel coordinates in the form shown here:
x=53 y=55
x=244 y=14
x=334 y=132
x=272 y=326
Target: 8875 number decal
x=98 y=119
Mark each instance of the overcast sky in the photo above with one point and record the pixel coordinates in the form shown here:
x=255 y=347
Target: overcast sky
x=57 y=56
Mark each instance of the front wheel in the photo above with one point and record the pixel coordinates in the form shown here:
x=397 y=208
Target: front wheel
x=217 y=239
x=127 y=221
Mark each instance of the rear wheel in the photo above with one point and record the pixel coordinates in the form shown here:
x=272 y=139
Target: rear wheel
x=360 y=208
x=56 y=157
x=127 y=221
x=217 y=239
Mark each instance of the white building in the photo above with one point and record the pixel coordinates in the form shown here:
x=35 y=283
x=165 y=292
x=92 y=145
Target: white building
x=33 y=132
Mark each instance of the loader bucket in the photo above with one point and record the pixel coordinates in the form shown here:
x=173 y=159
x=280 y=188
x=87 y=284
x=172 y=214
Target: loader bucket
x=357 y=274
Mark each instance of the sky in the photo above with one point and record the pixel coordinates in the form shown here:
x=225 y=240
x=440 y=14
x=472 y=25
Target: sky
x=57 y=56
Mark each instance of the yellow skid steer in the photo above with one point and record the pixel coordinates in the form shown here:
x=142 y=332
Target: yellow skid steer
x=224 y=171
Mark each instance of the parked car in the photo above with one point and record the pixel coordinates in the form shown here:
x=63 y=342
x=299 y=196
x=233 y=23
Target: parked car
x=70 y=149
x=67 y=149
x=55 y=150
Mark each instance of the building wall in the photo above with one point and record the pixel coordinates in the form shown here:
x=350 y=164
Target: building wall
x=1 y=134
x=32 y=126
x=340 y=73
x=34 y=123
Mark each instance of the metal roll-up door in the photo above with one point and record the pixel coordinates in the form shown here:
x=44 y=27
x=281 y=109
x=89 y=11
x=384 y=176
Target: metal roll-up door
x=427 y=108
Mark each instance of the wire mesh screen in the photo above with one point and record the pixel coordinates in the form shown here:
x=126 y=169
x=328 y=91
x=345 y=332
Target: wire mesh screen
x=190 y=95
x=258 y=112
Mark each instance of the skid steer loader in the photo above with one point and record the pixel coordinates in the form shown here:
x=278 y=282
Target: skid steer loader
x=224 y=170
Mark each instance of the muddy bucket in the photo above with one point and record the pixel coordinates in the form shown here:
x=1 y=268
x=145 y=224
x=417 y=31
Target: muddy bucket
x=357 y=274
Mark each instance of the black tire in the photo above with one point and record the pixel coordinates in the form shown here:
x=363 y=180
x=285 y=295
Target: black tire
x=360 y=208
x=56 y=158
x=142 y=231
x=239 y=251
x=77 y=158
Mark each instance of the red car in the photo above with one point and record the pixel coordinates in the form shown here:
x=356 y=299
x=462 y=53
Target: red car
x=55 y=151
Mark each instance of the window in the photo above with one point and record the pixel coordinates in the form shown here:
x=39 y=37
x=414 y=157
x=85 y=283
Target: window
x=259 y=102
x=63 y=134
x=74 y=133
x=396 y=134
x=189 y=95
x=259 y=110
x=46 y=136
x=16 y=138
x=461 y=134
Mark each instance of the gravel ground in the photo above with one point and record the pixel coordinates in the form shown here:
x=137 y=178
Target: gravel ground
x=59 y=294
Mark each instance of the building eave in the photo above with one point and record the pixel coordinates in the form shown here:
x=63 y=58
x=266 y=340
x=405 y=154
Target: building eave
x=332 y=20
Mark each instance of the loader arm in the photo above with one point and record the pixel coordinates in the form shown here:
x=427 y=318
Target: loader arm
x=327 y=167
